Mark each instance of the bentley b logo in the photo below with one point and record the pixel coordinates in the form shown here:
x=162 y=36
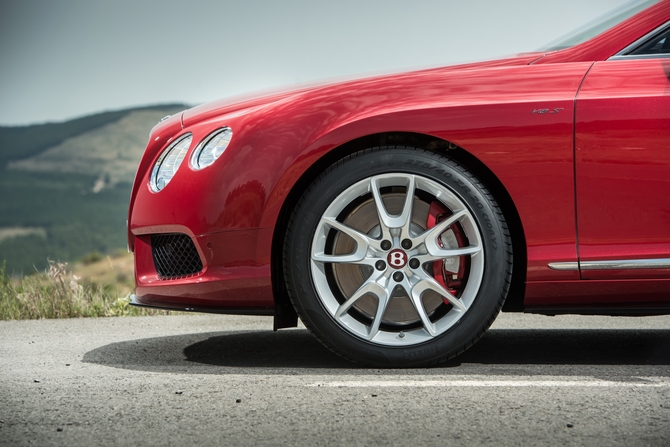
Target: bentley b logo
x=397 y=259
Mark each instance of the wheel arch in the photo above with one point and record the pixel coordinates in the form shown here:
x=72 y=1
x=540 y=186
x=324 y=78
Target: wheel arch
x=284 y=313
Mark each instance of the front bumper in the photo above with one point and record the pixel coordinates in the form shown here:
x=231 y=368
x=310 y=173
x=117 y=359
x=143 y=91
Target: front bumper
x=235 y=277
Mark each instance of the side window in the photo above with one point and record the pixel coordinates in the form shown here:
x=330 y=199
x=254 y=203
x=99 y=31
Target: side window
x=658 y=44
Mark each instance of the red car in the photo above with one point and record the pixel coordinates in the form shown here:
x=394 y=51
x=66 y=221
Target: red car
x=397 y=215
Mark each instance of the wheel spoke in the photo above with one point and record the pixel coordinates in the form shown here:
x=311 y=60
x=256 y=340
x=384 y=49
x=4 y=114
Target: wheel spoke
x=367 y=287
x=383 y=299
x=415 y=296
x=385 y=220
x=340 y=259
x=406 y=215
x=439 y=228
x=357 y=257
x=438 y=252
x=403 y=220
x=429 y=283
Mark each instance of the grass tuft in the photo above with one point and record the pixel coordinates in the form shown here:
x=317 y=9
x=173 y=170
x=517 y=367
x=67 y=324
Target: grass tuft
x=59 y=293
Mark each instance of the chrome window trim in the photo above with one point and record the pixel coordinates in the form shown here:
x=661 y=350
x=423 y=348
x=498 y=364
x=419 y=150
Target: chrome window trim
x=624 y=264
x=623 y=54
x=639 y=56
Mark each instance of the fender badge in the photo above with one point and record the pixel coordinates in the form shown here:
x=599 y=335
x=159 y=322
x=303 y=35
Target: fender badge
x=544 y=111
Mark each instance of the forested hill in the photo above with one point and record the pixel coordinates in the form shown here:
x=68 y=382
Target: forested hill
x=64 y=187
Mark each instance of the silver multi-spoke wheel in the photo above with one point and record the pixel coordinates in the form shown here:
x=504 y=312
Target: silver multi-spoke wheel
x=397 y=256
x=373 y=259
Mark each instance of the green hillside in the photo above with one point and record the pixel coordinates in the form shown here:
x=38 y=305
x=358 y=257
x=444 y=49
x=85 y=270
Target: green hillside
x=64 y=187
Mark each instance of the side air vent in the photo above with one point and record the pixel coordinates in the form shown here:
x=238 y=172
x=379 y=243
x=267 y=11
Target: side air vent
x=175 y=256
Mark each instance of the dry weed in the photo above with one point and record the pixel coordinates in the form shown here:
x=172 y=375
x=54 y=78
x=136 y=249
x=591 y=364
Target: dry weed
x=58 y=293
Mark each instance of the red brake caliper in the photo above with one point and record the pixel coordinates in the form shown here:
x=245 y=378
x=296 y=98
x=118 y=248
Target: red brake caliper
x=453 y=282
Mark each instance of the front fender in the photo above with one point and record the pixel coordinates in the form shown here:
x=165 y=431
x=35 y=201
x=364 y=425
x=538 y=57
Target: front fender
x=492 y=121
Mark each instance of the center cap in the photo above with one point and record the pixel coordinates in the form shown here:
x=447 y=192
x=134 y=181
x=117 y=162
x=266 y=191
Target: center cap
x=397 y=258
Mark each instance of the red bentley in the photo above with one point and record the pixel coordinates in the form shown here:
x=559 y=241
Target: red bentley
x=397 y=215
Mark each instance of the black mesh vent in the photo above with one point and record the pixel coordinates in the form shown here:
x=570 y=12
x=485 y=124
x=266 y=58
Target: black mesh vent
x=175 y=256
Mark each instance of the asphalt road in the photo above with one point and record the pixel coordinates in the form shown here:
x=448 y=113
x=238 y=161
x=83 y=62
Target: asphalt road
x=221 y=380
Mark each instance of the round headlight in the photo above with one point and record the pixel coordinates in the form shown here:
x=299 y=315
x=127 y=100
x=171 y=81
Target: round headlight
x=168 y=163
x=211 y=148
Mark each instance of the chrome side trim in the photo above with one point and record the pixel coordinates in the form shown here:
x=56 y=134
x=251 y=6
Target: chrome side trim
x=563 y=266
x=626 y=264
x=663 y=263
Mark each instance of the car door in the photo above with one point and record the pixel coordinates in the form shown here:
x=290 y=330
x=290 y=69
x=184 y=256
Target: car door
x=622 y=143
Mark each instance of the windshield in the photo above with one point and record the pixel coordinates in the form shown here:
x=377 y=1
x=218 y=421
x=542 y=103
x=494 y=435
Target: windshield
x=598 y=26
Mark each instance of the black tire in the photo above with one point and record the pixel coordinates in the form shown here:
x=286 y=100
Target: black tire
x=447 y=325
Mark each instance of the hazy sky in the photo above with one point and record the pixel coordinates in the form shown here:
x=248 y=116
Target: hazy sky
x=65 y=58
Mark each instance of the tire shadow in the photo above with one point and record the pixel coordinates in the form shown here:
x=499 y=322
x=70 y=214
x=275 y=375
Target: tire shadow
x=529 y=351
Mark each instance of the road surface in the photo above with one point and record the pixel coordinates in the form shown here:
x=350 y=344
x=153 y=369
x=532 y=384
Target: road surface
x=228 y=380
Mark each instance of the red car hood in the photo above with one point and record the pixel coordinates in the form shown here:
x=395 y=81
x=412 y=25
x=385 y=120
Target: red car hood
x=230 y=105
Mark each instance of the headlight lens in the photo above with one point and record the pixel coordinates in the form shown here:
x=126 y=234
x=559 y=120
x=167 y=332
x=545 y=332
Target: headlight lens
x=211 y=148
x=168 y=163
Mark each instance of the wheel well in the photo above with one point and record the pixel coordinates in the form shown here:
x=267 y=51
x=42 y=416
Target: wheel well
x=284 y=314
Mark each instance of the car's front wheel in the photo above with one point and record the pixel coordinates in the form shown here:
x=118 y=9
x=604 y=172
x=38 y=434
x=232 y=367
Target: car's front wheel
x=397 y=257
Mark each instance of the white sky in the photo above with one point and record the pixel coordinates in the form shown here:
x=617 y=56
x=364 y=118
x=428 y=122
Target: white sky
x=68 y=58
